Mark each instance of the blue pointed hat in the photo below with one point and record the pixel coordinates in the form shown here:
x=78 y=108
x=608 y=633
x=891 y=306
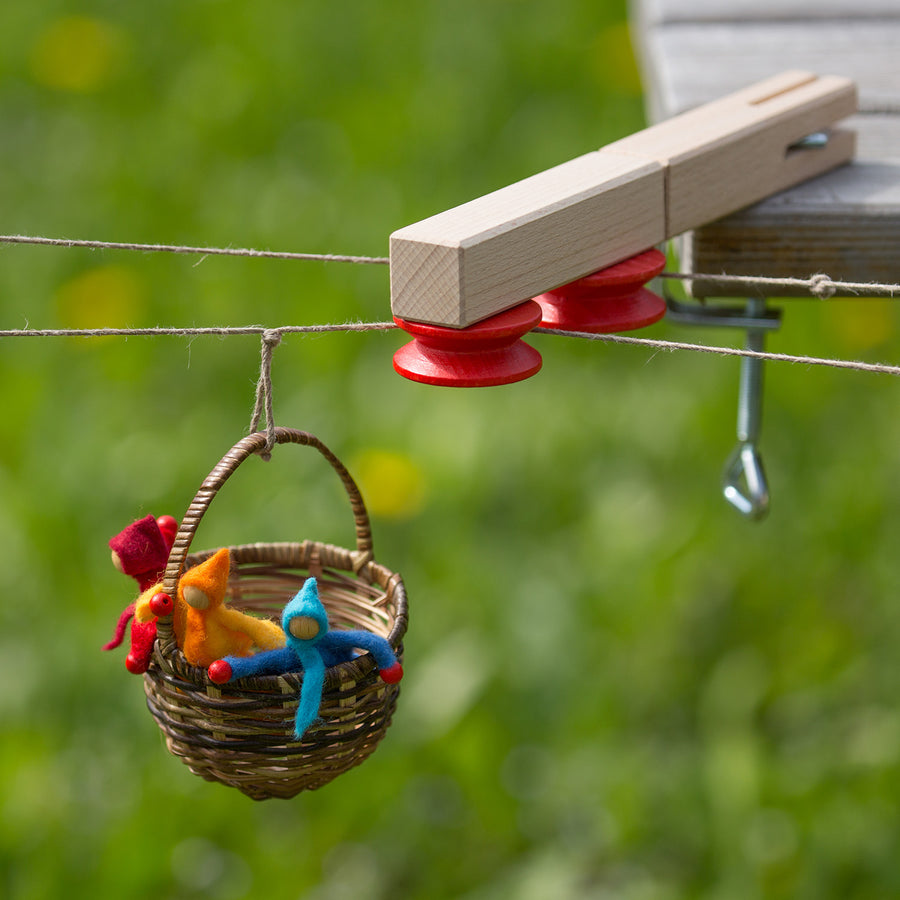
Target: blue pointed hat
x=304 y=619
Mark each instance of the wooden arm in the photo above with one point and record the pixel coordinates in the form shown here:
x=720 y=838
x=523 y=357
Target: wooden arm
x=488 y=255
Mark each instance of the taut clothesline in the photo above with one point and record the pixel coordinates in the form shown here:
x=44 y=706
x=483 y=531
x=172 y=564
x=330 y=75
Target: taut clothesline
x=819 y=285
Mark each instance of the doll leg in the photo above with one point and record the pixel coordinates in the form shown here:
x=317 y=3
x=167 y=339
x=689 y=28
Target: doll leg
x=143 y=635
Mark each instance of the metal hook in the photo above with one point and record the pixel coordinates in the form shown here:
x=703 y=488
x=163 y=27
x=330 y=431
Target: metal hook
x=744 y=481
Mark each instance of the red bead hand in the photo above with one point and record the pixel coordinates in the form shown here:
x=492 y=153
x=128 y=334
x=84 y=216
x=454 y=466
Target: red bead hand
x=161 y=604
x=219 y=671
x=392 y=674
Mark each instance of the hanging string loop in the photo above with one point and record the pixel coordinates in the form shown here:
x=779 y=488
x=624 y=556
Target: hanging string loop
x=270 y=339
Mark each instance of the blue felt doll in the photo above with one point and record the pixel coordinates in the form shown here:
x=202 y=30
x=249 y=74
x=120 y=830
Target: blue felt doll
x=310 y=648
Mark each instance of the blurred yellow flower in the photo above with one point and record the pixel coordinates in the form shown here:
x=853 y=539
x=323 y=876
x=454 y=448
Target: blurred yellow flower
x=78 y=53
x=863 y=324
x=103 y=297
x=392 y=484
x=613 y=61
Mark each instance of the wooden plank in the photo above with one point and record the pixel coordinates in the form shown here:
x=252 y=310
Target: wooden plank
x=693 y=63
x=877 y=137
x=734 y=151
x=493 y=253
x=845 y=224
x=659 y=12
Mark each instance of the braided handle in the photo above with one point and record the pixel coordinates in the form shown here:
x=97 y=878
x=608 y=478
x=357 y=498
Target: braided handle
x=241 y=451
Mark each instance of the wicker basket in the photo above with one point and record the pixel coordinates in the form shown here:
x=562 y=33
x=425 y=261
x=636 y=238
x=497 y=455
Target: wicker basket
x=241 y=734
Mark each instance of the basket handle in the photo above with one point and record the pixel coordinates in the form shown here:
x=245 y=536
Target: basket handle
x=241 y=451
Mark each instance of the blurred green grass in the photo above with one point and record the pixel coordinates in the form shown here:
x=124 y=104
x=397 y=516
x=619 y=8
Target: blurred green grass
x=616 y=687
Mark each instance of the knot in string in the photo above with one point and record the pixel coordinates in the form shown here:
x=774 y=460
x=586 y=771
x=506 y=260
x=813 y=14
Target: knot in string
x=271 y=338
x=822 y=286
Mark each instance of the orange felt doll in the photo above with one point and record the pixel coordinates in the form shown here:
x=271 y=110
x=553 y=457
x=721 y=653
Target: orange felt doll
x=213 y=631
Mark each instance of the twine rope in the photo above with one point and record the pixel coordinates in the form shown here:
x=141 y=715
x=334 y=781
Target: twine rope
x=855 y=365
x=199 y=251
x=271 y=338
x=358 y=327
x=819 y=285
x=215 y=330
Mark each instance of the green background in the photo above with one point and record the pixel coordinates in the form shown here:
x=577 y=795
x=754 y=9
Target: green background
x=616 y=687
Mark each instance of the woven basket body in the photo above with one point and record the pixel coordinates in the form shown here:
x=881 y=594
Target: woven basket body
x=241 y=734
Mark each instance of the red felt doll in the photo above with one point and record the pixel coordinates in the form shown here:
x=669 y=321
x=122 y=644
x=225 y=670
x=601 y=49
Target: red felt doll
x=141 y=551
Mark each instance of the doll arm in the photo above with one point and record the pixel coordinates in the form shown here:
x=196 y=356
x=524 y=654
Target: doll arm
x=389 y=668
x=142 y=611
x=269 y=662
x=263 y=632
x=121 y=625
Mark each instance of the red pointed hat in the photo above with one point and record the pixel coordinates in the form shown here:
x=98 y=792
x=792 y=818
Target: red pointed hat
x=141 y=547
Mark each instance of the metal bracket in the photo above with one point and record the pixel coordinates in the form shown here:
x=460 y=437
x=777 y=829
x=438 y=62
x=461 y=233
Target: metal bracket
x=721 y=316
